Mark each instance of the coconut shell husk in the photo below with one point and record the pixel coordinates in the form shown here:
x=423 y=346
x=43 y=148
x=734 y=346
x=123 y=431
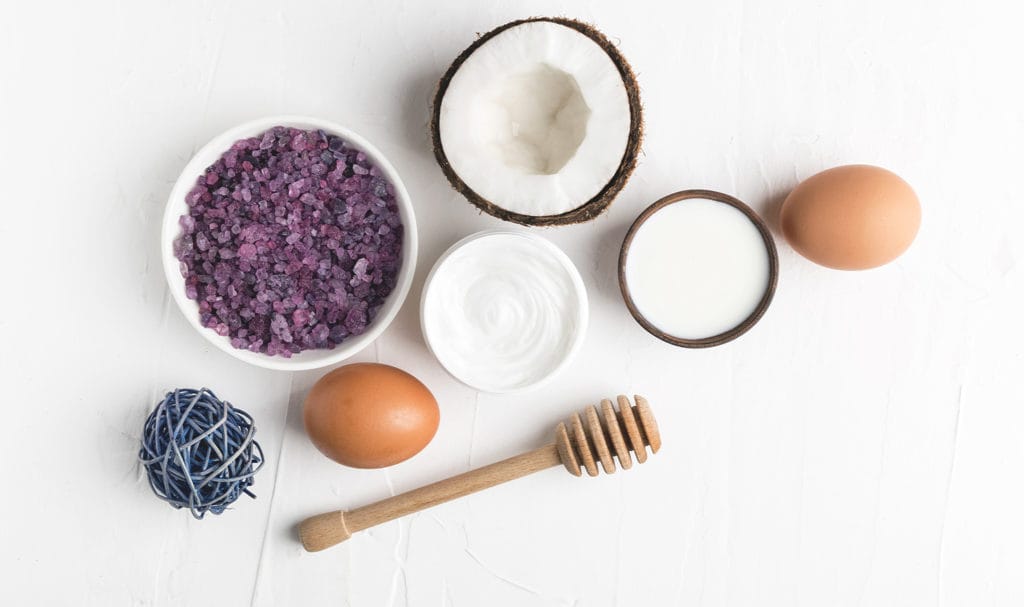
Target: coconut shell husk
x=591 y=208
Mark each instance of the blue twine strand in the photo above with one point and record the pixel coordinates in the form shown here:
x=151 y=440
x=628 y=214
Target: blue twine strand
x=199 y=451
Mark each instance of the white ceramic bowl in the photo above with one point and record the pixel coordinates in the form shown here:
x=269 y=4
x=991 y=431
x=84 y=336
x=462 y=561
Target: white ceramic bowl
x=580 y=321
x=176 y=207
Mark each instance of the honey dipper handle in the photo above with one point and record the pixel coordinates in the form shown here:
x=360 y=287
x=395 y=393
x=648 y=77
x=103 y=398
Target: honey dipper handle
x=325 y=530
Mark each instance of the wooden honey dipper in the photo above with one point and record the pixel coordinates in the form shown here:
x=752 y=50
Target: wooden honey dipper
x=586 y=439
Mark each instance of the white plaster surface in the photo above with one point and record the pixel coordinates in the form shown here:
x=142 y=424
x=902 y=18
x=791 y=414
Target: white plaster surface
x=863 y=445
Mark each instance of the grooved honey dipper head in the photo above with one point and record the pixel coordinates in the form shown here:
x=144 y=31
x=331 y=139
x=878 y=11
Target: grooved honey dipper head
x=604 y=434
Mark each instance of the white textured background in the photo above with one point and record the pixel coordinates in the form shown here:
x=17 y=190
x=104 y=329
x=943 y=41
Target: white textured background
x=863 y=445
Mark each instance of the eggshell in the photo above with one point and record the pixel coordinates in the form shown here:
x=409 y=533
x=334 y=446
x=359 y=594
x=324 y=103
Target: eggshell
x=369 y=415
x=851 y=217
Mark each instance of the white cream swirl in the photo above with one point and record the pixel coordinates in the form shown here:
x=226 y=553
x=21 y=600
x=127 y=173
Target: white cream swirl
x=503 y=311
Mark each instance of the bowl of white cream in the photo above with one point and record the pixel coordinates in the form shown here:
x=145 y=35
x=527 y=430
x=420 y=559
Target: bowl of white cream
x=504 y=311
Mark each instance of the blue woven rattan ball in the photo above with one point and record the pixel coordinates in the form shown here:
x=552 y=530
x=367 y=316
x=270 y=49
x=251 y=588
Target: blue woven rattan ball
x=199 y=451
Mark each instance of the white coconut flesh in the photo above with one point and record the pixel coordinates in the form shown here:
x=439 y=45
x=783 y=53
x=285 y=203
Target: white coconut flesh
x=536 y=120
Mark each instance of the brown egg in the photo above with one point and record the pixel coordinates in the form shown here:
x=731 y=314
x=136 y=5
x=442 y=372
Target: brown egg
x=851 y=217
x=369 y=415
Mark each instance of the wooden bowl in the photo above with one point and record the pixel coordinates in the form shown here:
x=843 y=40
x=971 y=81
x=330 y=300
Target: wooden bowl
x=740 y=329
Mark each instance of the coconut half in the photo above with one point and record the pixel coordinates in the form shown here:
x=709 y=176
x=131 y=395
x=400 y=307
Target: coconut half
x=538 y=122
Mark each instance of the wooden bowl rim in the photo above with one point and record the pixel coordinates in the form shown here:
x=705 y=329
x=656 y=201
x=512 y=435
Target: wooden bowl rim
x=762 y=306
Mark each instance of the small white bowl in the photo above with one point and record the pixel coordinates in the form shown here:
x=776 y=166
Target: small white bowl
x=579 y=292
x=176 y=207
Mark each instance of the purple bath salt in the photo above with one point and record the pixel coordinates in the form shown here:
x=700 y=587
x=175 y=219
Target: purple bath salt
x=292 y=242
